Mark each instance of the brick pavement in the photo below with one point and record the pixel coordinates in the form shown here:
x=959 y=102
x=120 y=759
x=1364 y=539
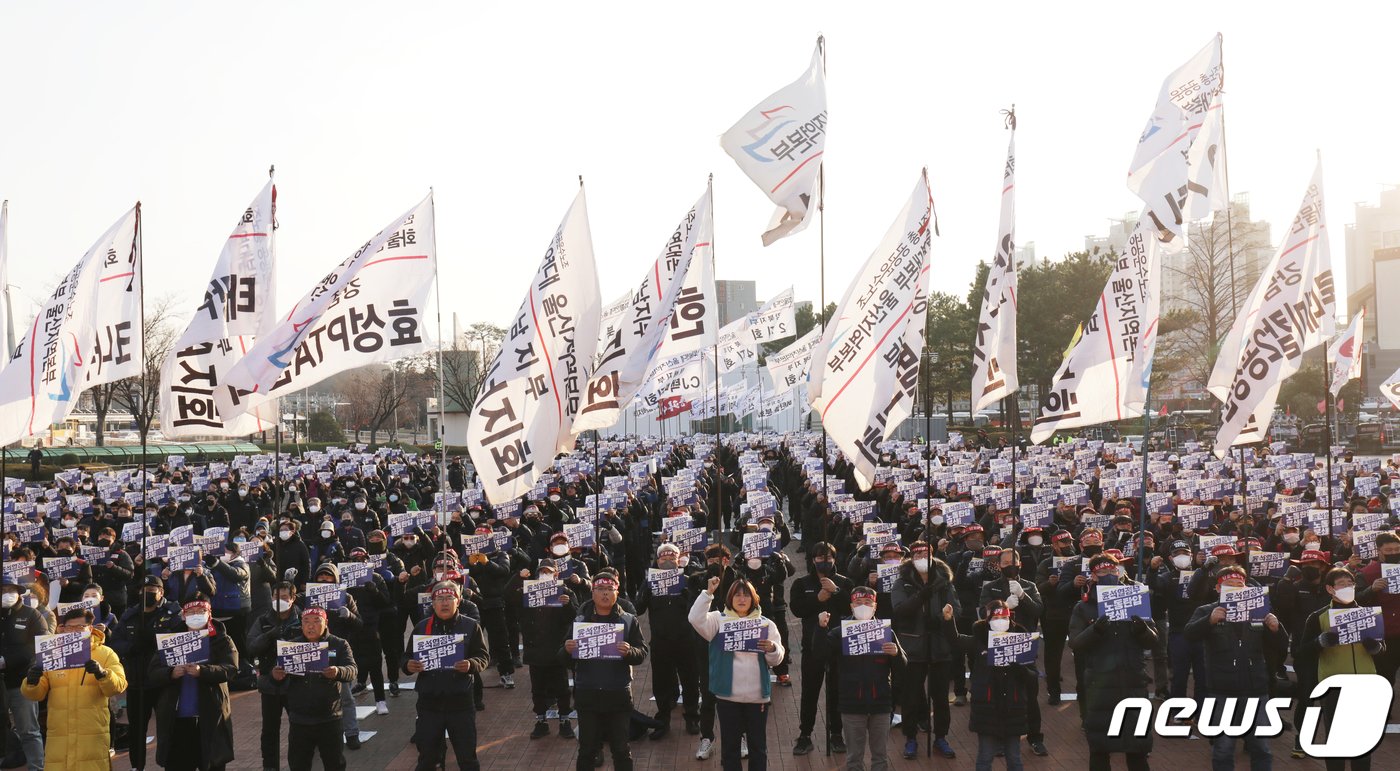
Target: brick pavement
x=504 y=743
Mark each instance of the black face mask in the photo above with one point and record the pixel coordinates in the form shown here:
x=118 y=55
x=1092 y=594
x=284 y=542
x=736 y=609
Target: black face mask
x=824 y=568
x=105 y=543
x=1011 y=571
x=714 y=570
x=376 y=547
x=1311 y=573
x=152 y=599
x=1090 y=551
x=1391 y=559
x=974 y=546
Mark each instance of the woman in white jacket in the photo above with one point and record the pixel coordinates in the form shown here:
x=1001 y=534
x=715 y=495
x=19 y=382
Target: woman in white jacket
x=739 y=679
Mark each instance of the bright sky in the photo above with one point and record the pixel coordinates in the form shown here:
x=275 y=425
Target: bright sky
x=499 y=107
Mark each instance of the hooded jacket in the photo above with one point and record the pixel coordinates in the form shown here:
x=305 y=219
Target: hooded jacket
x=79 y=721
x=918 y=611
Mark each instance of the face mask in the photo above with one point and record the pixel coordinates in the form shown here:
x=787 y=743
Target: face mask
x=240 y=539
x=285 y=535
x=184 y=499
x=1290 y=538
x=1345 y=594
x=105 y=543
x=1391 y=559
x=196 y=621
x=999 y=624
x=327 y=532
x=350 y=485
x=1090 y=549
x=825 y=568
x=87 y=487
x=409 y=542
x=1108 y=579
x=559 y=549
x=242 y=492
x=863 y=612
x=8 y=599
x=87 y=598
x=392 y=499
x=921 y=564
x=1311 y=573
x=65 y=552
x=1035 y=540
x=152 y=599
x=281 y=606
x=314 y=508
x=1011 y=571
x=1312 y=546
x=69 y=522
x=223 y=486
x=359 y=505
x=754 y=563
x=936 y=519
x=376 y=547
x=1182 y=561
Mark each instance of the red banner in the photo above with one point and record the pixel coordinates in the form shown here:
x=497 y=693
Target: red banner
x=672 y=406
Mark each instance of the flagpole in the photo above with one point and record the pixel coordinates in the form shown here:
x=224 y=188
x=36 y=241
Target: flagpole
x=1327 y=400
x=719 y=433
x=821 y=251
x=441 y=515
x=277 y=457
x=138 y=733
x=1142 y=513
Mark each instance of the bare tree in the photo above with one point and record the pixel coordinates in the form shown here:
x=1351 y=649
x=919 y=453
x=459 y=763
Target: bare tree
x=103 y=397
x=140 y=395
x=375 y=393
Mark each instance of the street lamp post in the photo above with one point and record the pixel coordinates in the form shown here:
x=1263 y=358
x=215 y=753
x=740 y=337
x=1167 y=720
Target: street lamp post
x=930 y=358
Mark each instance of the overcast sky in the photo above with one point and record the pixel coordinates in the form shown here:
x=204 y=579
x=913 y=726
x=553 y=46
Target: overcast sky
x=499 y=108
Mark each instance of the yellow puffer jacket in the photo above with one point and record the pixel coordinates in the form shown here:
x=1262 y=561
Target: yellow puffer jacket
x=78 y=716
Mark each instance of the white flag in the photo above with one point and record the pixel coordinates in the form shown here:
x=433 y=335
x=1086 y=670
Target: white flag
x=994 y=350
x=682 y=376
x=532 y=392
x=864 y=367
x=1390 y=389
x=1140 y=369
x=789 y=367
x=736 y=345
x=1291 y=311
x=369 y=309
x=236 y=310
x=610 y=324
x=1345 y=353
x=623 y=357
x=1090 y=386
x=779 y=145
x=749 y=404
x=775 y=320
x=771 y=406
x=1175 y=177
x=88 y=333
x=7 y=311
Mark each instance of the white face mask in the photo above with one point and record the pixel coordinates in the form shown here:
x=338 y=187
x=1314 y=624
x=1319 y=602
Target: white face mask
x=1035 y=540
x=1345 y=594
x=1182 y=561
x=327 y=532
x=9 y=599
x=392 y=499
x=313 y=508
x=1290 y=538
x=921 y=564
x=242 y=492
x=1122 y=572
x=936 y=519
x=863 y=612
x=196 y=621
x=755 y=563
x=559 y=549
x=350 y=485
x=281 y=606
x=553 y=499
x=285 y=535
x=999 y=624
x=93 y=600
x=360 y=505
x=223 y=486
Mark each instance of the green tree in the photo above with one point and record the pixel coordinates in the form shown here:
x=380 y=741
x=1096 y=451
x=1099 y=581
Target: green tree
x=1052 y=300
x=948 y=331
x=323 y=427
x=805 y=320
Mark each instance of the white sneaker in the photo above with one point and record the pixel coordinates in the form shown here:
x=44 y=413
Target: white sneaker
x=380 y=708
x=743 y=746
x=706 y=748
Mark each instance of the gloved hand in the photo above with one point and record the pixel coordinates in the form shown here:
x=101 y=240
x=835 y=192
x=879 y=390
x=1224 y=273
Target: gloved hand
x=95 y=669
x=1013 y=601
x=35 y=672
x=1101 y=624
x=1139 y=625
x=290 y=574
x=1017 y=589
x=1329 y=639
x=1372 y=646
x=345 y=612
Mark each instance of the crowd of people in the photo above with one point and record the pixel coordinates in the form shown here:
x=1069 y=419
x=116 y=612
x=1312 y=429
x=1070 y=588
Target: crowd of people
x=315 y=578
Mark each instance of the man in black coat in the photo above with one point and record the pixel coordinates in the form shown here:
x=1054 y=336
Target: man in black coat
x=134 y=641
x=313 y=699
x=445 y=696
x=1022 y=597
x=822 y=590
x=603 y=687
x=19 y=625
x=544 y=630
x=194 y=728
x=673 y=642
x=922 y=594
x=281 y=622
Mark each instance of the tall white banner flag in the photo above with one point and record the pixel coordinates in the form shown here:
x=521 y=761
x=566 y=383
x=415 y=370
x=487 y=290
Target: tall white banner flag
x=779 y=145
x=682 y=375
x=610 y=324
x=1091 y=384
x=789 y=367
x=236 y=310
x=534 y=388
x=1291 y=311
x=864 y=368
x=369 y=309
x=736 y=345
x=994 y=350
x=1345 y=353
x=775 y=320
x=1177 y=169
x=88 y=333
x=1390 y=389
x=623 y=357
x=7 y=311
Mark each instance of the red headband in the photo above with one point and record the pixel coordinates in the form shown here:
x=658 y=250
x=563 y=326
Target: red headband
x=314 y=611
x=194 y=605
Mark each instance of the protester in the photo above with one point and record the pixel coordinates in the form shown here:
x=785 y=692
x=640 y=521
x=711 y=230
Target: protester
x=822 y=590
x=313 y=699
x=1322 y=652
x=1001 y=695
x=923 y=598
x=445 y=695
x=544 y=631
x=194 y=727
x=79 y=731
x=865 y=686
x=135 y=642
x=281 y=622
x=19 y=625
x=603 y=687
x=738 y=679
